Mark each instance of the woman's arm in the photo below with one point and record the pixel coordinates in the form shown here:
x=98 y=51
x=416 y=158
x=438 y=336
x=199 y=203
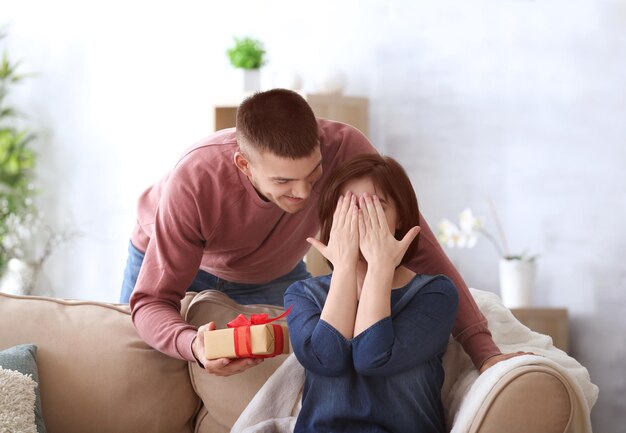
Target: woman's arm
x=375 y=300
x=321 y=338
x=319 y=347
x=382 y=346
x=343 y=252
x=417 y=334
x=383 y=254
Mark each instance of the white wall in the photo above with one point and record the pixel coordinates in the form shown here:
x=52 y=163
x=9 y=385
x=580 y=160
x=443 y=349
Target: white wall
x=520 y=101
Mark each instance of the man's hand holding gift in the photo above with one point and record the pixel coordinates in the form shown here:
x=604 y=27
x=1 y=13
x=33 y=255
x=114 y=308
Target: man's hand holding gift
x=244 y=344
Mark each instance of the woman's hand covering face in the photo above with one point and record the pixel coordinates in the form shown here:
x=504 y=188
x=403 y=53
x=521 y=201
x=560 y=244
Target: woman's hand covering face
x=376 y=240
x=343 y=242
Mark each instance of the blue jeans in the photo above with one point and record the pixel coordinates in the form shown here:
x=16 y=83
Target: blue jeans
x=268 y=293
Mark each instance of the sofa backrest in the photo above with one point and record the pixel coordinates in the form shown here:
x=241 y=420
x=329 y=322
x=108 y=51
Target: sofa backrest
x=96 y=374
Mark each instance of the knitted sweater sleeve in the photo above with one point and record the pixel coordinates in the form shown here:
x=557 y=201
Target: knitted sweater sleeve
x=170 y=264
x=416 y=335
x=319 y=347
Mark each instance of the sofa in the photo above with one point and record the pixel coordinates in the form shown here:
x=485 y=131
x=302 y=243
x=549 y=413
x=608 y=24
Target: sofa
x=96 y=375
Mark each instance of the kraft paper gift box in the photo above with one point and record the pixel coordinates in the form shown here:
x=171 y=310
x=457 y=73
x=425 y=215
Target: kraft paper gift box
x=223 y=343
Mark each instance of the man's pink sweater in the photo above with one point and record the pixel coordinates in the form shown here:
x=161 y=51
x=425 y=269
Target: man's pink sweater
x=205 y=214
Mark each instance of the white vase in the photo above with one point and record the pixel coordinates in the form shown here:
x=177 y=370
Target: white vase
x=517 y=282
x=19 y=277
x=251 y=80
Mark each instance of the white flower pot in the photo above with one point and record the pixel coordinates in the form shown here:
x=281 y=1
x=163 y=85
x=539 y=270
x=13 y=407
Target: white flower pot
x=517 y=282
x=251 y=80
x=19 y=277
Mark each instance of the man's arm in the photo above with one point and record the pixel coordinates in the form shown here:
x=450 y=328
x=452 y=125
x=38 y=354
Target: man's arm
x=170 y=264
x=470 y=328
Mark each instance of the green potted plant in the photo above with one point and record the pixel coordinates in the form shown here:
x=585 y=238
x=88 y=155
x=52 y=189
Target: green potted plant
x=17 y=161
x=248 y=54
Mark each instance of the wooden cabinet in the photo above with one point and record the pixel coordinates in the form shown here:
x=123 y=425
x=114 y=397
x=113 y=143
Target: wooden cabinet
x=549 y=321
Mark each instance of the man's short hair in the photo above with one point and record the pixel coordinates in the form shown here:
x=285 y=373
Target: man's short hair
x=278 y=121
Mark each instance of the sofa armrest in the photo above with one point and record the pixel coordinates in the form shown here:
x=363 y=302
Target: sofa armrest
x=531 y=398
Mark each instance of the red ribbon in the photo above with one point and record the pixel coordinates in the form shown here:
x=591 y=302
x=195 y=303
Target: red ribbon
x=243 y=345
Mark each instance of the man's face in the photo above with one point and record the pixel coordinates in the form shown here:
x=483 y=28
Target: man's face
x=283 y=181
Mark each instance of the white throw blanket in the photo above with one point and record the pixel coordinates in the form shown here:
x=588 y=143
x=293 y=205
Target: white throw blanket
x=274 y=408
x=17 y=402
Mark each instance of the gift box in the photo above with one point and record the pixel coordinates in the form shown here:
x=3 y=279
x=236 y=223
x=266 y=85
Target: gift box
x=224 y=343
x=248 y=338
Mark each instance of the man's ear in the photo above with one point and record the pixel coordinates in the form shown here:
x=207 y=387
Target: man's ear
x=242 y=163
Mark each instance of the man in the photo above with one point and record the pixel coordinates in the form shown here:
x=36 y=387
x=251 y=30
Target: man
x=234 y=214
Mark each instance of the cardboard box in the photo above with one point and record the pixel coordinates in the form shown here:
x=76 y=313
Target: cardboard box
x=221 y=343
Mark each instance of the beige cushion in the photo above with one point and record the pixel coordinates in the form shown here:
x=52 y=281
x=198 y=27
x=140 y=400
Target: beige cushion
x=96 y=374
x=226 y=397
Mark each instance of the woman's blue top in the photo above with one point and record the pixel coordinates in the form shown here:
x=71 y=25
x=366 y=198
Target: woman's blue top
x=386 y=379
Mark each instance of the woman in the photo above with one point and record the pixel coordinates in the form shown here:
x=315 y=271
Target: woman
x=372 y=334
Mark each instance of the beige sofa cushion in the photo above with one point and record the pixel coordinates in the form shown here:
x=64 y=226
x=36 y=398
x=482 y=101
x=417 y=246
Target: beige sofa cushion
x=226 y=397
x=96 y=374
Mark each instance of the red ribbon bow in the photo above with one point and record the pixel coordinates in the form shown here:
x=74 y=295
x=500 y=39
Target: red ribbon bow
x=243 y=345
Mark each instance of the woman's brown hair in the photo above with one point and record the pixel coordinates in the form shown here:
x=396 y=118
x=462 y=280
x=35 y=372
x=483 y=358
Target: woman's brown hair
x=390 y=180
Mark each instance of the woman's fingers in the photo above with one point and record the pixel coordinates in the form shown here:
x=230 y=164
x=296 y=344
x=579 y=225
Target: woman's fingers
x=408 y=238
x=343 y=206
x=319 y=246
x=343 y=233
x=361 y=225
x=371 y=210
x=337 y=211
x=375 y=217
x=367 y=219
x=380 y=212
x=354 y=216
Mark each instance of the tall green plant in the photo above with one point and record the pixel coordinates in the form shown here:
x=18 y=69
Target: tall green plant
x=17 y=160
